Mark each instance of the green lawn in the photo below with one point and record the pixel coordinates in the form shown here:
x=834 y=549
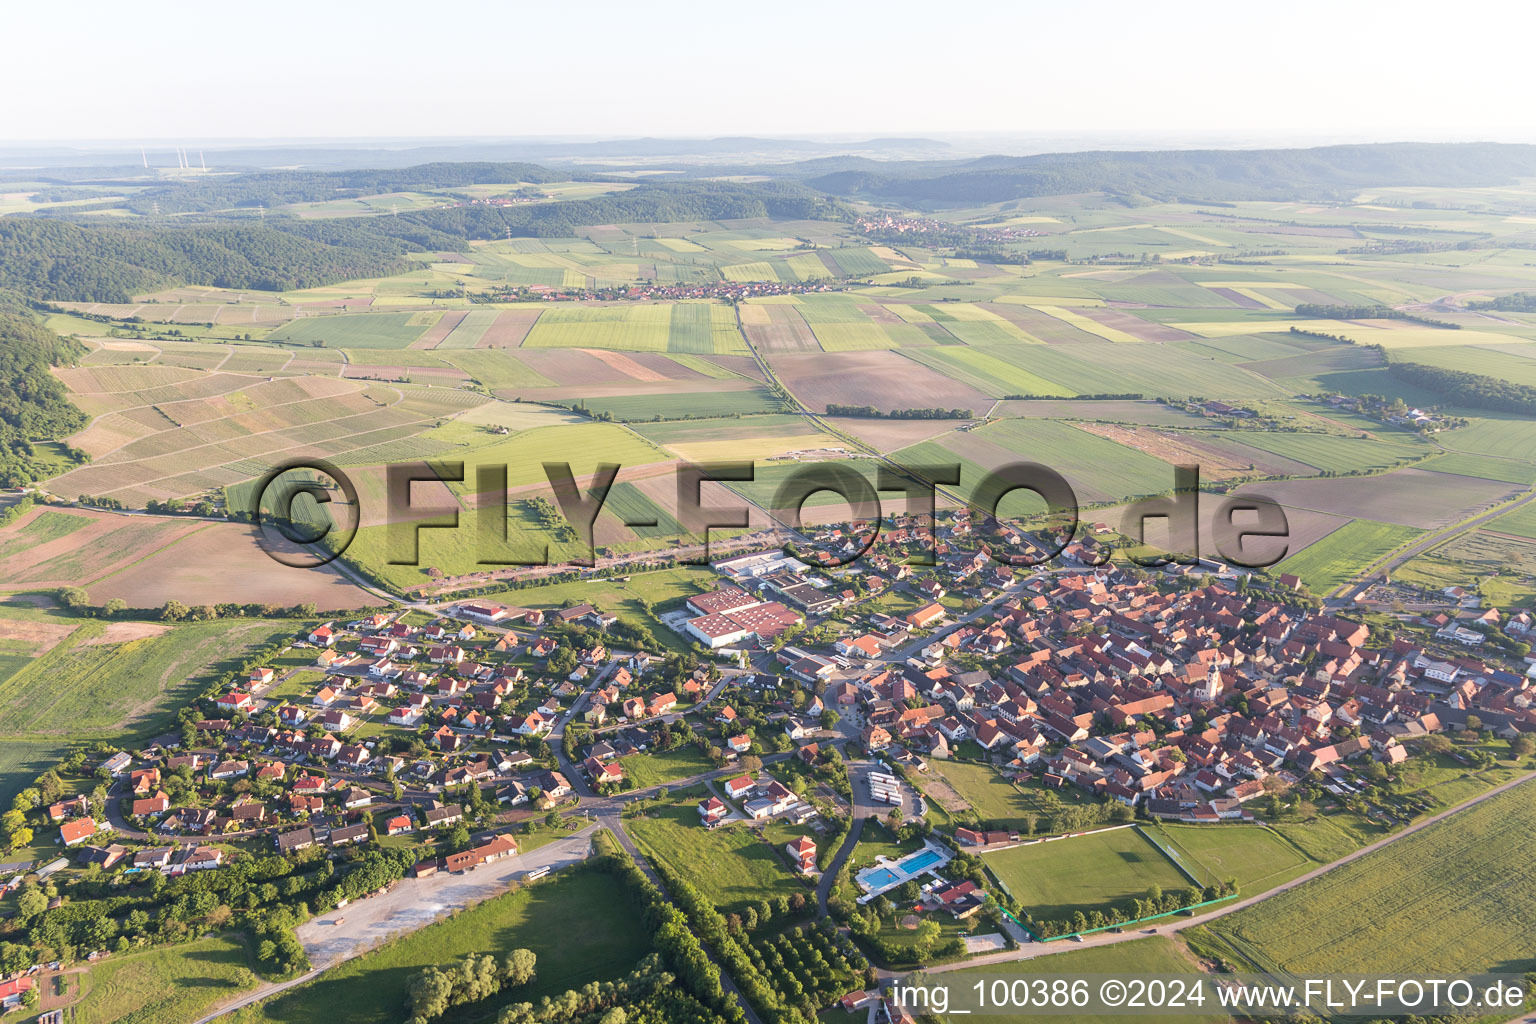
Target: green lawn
x=997 y=800
x=169 y=983
x=729 y=865
x=1253 y=854
x=664 y=767
x=1053 y=879
x=582 y=926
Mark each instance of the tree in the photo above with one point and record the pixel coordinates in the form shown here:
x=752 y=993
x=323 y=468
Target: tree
x=519 y=967
x=31 y=903
x=458 y=838
x=428 y=993
x=173 y=611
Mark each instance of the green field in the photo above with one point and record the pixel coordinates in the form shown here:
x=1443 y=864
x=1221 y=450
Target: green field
x=1499 y=434
x=44 y=527
x=631 y=328
x=1346 y=551
x=729 y=865
x=1255 y=856
x=664 y=767
x=1103 y=367
x=359 y=330
x=169 y=983
x=640 y=408
x=86 y=687
x=496 y=368
x=1485 y=467
x=629 y=504
x=583 y=445
x=583 y=926
x=986 y=372
x=1095 y=464
x=1442 y=899
x=995 y=799
x=1095 y=871
x=1157 y=956
x=1330 y=452
x=1521 y=522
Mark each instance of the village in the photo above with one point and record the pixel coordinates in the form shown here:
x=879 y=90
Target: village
x=473 y=732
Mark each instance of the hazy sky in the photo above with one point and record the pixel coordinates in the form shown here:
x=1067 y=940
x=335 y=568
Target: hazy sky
x=283 y=69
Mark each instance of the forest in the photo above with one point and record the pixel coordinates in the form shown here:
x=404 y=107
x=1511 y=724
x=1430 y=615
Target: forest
x=33 y=403
x=87 y=260
x=1473 y=390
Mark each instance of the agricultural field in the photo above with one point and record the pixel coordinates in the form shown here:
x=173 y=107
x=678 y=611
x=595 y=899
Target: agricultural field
x=372 y=987
x=121 y=676
x=1053 y=879
x=729 y=865
x=364 y=330
x=1329 y=452
x=1344 y=553
x=1502 y=567
x=1405 y=497
x=1520 y=522
x=1454 y=874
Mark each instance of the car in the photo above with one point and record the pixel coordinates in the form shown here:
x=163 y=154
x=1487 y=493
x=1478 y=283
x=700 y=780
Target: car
x=1077 y=938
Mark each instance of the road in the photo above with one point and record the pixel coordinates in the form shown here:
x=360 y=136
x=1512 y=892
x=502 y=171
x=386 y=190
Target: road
x=1038 y=949
x=1433 y=539
x=863 y=808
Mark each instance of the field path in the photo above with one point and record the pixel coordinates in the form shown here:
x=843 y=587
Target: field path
x=1109 y=938
x=1432 y=540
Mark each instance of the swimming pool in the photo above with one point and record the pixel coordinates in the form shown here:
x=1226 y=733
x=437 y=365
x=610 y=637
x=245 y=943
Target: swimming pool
x=922 y=860
x=878 y=878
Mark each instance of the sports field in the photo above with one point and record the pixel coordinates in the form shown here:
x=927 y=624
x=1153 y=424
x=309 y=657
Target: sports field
x=1095 y=871
x=1256 y=857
